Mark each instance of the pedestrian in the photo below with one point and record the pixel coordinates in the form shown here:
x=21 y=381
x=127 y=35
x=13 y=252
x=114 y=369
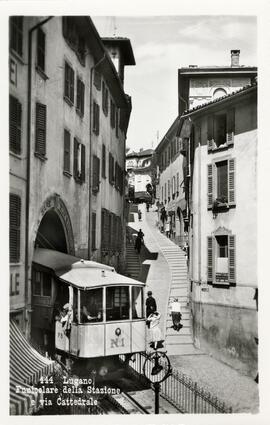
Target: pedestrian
x=167 y=229
x=147 y=207
x=139 y=241
x=155 y=332
x=139 y=215
x=151 y=306
x=176 y=315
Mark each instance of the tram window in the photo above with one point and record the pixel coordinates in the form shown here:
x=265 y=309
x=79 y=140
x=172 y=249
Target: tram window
x=137 y=302
x=75 y=305
x=37 y=282
x=91 y=306
x=117 y=303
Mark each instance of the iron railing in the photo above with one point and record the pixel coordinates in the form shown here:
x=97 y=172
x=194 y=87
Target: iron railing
x=183 y=393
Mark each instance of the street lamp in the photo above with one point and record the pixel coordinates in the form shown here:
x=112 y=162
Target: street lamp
x=157 y=368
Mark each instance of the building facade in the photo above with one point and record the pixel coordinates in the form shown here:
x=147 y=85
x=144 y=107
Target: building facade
x=222 y=186
x=139 y=166
x=170 y=194
x=69 y=116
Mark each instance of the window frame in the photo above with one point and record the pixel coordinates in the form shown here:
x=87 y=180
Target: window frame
x=69 y=84
x=212 y=250
x=213 y=201
x=80 y=96
x=78 y=172
x=41 y=50
x=16 y=35
x=211 y=129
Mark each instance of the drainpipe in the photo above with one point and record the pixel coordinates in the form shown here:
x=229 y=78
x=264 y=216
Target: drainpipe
x=28 y=150
x=90 y=153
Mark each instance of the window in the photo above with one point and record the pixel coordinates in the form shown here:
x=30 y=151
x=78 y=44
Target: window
x=95 y=118
x=80 y=97
x=117 y=303
x=69 y=84
x=74 y=40
x=97 y=79
x=220 y=130
x=105 y=98
x=15 y=122
x=221 y=183
x=103 y=170
x=81 y=51
x=112 y=114
x=41 y=50
x=219 y=93
x=137 y=302
x=94 y=216
x=116 y=123
x=16 y=34
x=91 y=306
x=111 y=169
x=104 y=229
x=14 y=228
x=66 y=151
x=41 y=119
x=96 y=168
x=221 y=259
x=41 y=284
x=79 y=161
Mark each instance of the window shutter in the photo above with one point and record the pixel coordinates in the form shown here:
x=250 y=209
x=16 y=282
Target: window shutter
x=102 y=228
x=106 y=230
x=232 y=259
x=66 y=151
x=71 y=85
x=41 y=118
x=75 y=158
x=103 y=161
x=230 y=126
x=231 y=180
x=210 y=132
x=93 y=230
x=15 y=118
x=82 y=163
x=14 y=228
x=210 y=259
x=96 y=166
x=210 y=185
x=41 y=49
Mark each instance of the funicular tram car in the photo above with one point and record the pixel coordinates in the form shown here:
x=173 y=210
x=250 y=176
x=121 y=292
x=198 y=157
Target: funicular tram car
x=97 y=313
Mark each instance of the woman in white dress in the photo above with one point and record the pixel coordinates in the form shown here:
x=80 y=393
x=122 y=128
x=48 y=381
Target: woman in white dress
x=155 y=332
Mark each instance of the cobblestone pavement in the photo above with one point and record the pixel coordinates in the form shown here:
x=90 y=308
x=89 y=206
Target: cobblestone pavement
x=228 y=385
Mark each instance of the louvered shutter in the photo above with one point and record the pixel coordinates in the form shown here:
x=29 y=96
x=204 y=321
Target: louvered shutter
x=210 y=259
x=82 y=163
x=15 y=118
x=96 y=170
x=93 y=231
x=102 y=228
x=231 y=181
x=210 y=185
x=75 y=159
x=66 y=151
x=109 y=230
x=230 y=126
x=66 y=80
x=232 y=259
x=106 y=229
x=41 y=118
x=14 y=228
x=210 y=132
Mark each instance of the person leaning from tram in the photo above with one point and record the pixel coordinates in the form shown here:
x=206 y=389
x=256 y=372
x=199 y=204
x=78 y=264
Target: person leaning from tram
x=176 y=314
x=66 y=318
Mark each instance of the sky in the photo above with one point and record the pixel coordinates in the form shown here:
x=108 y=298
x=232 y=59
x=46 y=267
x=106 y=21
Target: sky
x=161 y=45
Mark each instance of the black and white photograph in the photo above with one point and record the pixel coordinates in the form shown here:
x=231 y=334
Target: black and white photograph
x=133 y=220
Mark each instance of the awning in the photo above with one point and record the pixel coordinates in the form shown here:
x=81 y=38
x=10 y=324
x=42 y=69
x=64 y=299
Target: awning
x=182 y=204
x=26 y=368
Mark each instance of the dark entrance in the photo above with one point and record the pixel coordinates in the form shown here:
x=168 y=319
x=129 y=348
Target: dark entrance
x=50 y=235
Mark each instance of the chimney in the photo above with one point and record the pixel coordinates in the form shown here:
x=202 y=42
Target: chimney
x=235 y=57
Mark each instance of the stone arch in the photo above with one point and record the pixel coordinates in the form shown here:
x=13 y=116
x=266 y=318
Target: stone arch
x=55 y=211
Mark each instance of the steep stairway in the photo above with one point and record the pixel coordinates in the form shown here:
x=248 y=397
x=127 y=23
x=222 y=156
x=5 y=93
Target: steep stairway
x=133 y=262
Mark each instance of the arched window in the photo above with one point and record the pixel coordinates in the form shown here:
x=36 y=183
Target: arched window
x=219 y=93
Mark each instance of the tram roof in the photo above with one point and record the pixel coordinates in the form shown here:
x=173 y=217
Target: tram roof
x=80 y=273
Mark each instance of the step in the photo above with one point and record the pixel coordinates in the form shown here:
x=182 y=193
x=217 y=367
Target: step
x=184 y=331
x=178 y=339
x=182 y=350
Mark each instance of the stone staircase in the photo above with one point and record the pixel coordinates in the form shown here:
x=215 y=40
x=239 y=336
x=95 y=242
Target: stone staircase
x=178 y=343
x=133 y=263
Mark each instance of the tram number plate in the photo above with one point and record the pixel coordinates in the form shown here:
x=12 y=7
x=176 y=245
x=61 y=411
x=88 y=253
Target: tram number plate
x=117 y=342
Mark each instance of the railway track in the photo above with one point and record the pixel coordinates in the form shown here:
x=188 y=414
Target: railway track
x=128 y=404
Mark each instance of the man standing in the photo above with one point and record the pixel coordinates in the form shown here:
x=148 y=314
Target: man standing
x=176 y=315
x=151 y=305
